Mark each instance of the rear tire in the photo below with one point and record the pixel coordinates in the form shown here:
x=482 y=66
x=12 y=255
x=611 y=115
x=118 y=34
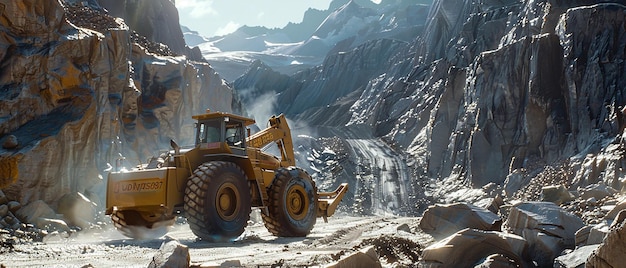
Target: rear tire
x=292 y=208
x=217 y=201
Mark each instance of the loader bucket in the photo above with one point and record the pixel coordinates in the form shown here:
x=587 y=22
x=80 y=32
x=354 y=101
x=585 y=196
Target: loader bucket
x=328 y=201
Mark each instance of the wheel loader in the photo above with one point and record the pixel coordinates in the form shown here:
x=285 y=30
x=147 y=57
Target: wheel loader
x=216 y=183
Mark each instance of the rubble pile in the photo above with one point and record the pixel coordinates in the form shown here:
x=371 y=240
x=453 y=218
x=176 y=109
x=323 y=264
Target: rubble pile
x=98 y=20
x=12 y=229
x=395 y=249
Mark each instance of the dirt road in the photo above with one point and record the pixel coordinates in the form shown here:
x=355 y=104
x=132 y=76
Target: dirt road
x=328 y=242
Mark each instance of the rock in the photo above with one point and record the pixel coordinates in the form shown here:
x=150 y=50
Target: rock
x=497 y=261
x=171 y=254
x=10 y=142
x=31 y=212
x=14 y=206
x=597 y=191
x=598 y=233
x=582 y=235
x=557 y=194
x=611 y=252
x=514 y=181
x=469 y=247
x=621 y=205
x=52 y=225
x=4 y=209
x=575 y=258
x=404 y=227
x=621 y=216
x=366 y=257
x=491 y=204
x=443 y=220
x=548 y=229
x=3 y=198
x=77 y=209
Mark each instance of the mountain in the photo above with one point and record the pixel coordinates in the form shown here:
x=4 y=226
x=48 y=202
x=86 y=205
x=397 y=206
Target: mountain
x=297 y=46
x=489 y=93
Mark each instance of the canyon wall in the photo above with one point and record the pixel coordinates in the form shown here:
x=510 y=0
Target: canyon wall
x=79 y=89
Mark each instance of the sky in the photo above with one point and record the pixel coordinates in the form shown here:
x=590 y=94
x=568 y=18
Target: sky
x=220 y=17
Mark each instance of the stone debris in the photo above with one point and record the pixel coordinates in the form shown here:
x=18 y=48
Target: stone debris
x=611 y=252
x=575 y=258
x=597 y=191
x=597 y=233
x=469 y=247
x=444 y=220
x=497 y=261
x=557 y=194
x=171 y=254
x=547 y=227
x=621 y=205
x=77 y=209
x=366 y=257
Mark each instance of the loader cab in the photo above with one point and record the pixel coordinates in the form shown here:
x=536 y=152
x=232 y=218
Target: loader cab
x=213 y=129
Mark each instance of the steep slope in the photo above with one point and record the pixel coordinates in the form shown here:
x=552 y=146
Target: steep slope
x=489 y=91
x=79 y=89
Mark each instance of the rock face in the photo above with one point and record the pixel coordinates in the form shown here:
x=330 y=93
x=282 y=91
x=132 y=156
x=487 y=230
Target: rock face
x=489 y=89
x=79 y=89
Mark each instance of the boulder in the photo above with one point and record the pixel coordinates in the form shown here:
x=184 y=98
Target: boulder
x=621 y=216
x=547 y=227
x=171 y=254
x=497 y=261
x=597 y=191
x=4 y=209
x=575 y=258
x=77 y=209
x=582 y=235
x=3 y=198
x=366 y=257
x=611 y=252
x=35 y=210
x=469 y=247
x=444 y=220
x=14 y=206
x=621 y=205
x=597 y=233
x=10 y=142
x=557 y=194
x=514 y=181
x=52 y=225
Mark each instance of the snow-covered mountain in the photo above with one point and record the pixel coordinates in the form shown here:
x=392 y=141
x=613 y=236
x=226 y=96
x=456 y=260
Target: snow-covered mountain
x=297 y=46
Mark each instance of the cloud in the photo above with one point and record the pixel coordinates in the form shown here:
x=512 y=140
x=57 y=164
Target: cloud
x=199 y=8
x=260 y=15
x=228 y=28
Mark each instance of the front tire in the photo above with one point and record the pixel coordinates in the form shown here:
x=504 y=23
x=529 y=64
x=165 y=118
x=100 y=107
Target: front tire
x=292 y=208
x=217 y=201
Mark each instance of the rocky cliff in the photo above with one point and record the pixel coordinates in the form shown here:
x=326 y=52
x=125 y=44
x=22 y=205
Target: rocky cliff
x=79 y=89
x=491 y=92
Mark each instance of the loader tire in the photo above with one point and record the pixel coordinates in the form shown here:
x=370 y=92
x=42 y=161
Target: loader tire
x=292 y=208
x=131 y=224
x=217 y=201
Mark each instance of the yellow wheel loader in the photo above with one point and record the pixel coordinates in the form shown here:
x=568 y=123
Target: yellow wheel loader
x=216 y=183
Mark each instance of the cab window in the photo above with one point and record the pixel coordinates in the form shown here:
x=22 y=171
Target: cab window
x=208 y=132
